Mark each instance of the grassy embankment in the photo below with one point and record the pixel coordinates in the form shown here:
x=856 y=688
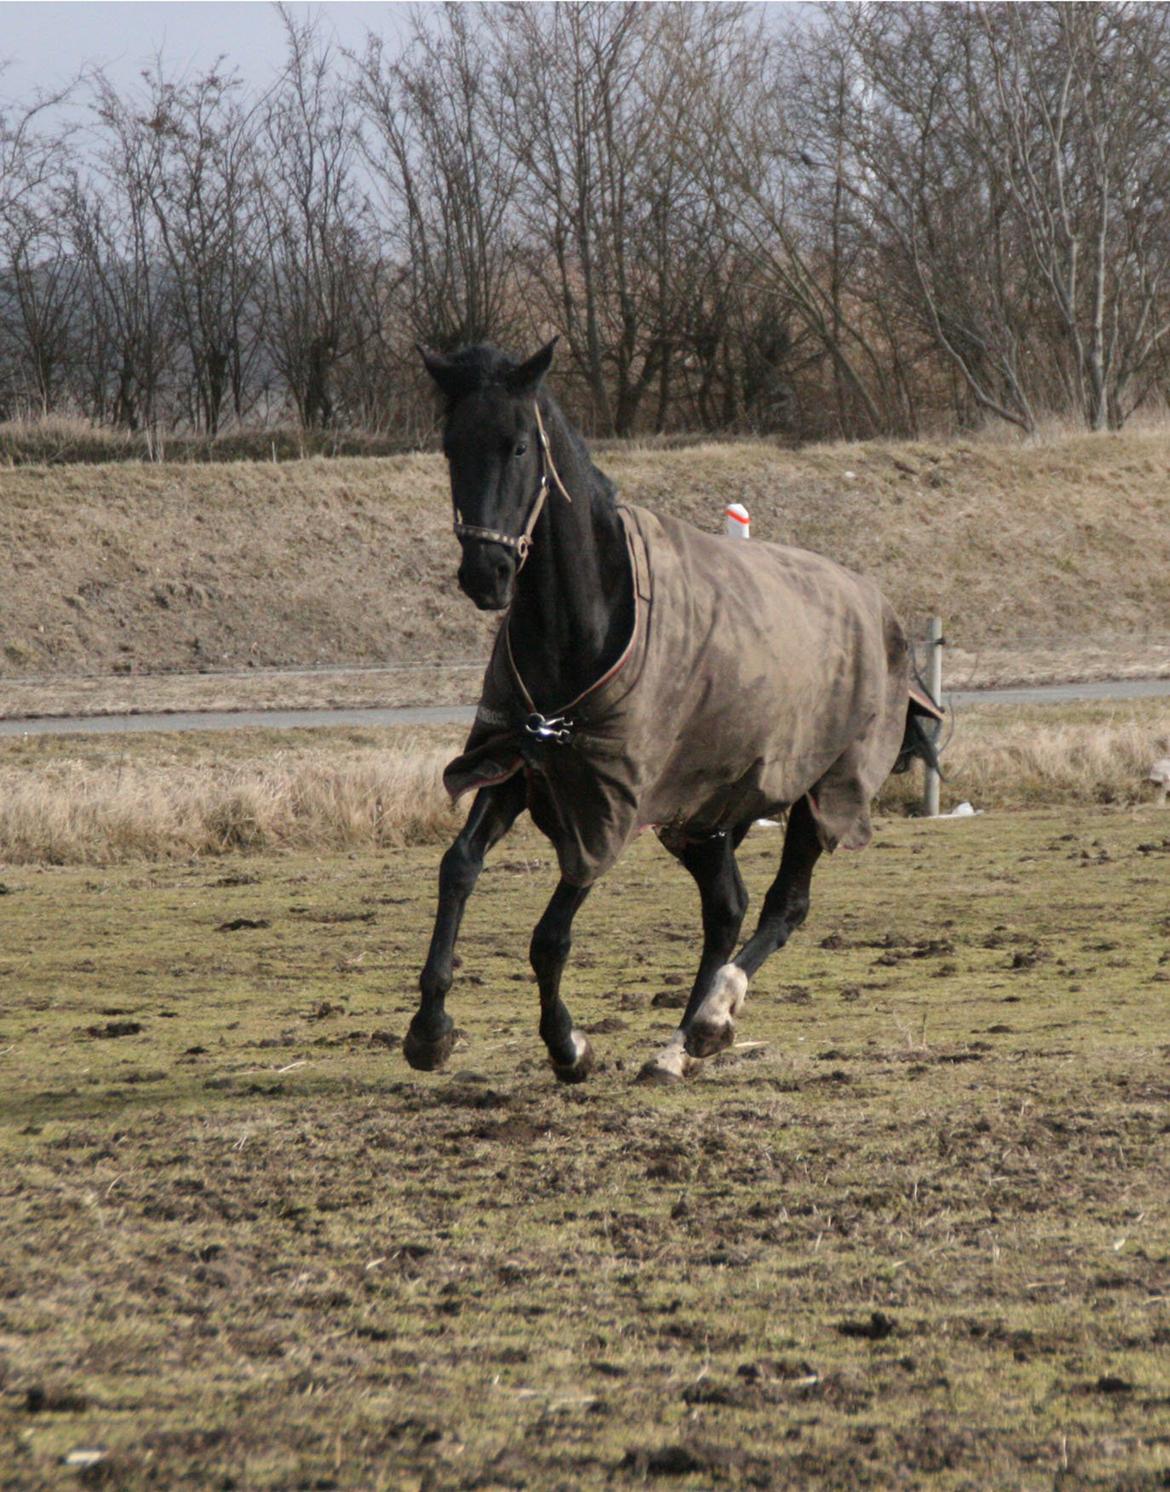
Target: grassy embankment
x=917 y=1238
x=1046 y=559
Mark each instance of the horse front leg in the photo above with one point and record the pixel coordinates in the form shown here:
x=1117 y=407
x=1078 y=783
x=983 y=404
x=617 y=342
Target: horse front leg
x=495 y=809
x=569 y=1051
x=723 y=899
x=711 y=1025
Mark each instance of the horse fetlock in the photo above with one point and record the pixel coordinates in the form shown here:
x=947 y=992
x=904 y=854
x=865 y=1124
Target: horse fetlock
x=435 y=984
x=429 y=1043
x=579 y=1066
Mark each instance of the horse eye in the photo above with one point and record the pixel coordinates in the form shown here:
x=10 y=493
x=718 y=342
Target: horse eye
x=521 y=448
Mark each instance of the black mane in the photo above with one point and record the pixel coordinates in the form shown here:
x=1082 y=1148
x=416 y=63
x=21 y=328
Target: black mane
x=482 y=365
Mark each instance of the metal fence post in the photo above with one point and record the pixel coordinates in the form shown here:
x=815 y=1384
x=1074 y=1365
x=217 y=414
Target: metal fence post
x=934 y=645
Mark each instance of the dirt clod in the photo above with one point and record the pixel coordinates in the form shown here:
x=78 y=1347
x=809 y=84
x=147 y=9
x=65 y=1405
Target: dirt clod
x=668 y=1460
x=114 y=1028
x=45 y=1400
x=876 y=1329
x=669 y=999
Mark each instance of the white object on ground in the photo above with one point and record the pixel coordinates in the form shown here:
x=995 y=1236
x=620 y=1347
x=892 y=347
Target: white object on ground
x=962 y=811
x=736 y=521
x=1160 y=777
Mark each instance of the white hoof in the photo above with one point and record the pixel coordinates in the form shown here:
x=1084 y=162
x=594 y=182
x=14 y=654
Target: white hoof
x=671 y=1065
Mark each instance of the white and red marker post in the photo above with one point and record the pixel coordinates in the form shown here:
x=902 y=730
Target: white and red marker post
x=736 y=521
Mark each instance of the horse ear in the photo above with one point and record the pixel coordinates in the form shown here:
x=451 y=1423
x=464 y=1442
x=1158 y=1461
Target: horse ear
x=452 y=379
x=526 y=378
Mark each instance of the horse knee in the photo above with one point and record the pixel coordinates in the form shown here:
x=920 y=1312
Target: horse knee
x=459 y=870
x=789 y=908
x=739 y=904
x=724 y=919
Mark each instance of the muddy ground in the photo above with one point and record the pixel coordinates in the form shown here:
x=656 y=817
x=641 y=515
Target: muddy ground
x=918 y=1237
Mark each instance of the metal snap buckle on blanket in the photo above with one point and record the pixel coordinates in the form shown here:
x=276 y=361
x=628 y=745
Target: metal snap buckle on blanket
x=557 y=729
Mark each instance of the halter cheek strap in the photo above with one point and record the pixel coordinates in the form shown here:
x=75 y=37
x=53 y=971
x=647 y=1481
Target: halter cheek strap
x=522 y=542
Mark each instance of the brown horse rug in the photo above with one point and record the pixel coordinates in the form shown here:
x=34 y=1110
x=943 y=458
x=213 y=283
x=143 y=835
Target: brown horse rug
x=755 y=675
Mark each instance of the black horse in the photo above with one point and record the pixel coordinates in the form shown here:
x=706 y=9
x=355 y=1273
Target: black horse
x=598 y=598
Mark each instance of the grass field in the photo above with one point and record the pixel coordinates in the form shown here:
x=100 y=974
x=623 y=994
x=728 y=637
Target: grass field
x=918 y=1237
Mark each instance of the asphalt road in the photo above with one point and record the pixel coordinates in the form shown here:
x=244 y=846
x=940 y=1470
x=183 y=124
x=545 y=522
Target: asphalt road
x=462 y=714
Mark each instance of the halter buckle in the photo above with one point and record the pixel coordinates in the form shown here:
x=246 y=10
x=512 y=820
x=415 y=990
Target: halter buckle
x=557 y=729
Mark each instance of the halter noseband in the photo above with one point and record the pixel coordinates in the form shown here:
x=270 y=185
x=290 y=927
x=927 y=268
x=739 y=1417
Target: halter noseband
x=522 y=542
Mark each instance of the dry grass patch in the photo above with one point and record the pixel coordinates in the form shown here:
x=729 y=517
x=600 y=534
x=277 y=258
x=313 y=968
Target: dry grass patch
x=59 y=440
x=1025 y=756
x=97 y=800
x=76 y=802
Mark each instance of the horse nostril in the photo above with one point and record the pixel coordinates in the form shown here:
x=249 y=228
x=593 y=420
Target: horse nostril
x=503 y=568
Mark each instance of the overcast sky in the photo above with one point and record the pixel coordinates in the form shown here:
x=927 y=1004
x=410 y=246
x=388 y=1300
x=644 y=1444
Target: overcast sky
x=48 y=43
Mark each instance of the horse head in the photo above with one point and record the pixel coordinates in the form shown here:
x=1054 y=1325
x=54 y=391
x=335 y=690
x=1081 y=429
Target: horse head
x=498 y=462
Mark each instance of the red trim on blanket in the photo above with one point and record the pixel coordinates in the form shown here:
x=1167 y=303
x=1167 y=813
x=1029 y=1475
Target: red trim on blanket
x=926 y=705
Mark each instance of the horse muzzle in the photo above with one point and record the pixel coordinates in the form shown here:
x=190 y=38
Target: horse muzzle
x=487 y=575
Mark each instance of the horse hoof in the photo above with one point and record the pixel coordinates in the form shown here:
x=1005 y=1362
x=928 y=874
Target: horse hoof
x=704 y=1039
x=713 y=1026
x=426 y=1054
x=664 y=1074
x=580 y=1067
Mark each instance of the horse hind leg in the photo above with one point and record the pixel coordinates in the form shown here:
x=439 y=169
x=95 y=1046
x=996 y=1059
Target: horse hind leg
x=431 y=1035
x=569 y=1051
x=723 y=898
x=711 y=1025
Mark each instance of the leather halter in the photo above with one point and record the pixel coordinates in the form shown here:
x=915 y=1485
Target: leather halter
x=522 y=542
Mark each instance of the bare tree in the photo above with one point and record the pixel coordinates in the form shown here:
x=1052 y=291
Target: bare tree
x=759 y=144
x=587 y=152
x=843 y=221
x=199 y=137
x=316 y=297
x=1010 y=169
x=1078 y=124
x=919 y=200
x=113 y=229
x=38 y=282
x=432 y=142
x=35 y=269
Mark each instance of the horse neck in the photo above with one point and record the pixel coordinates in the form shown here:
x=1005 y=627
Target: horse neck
x=572 y=613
